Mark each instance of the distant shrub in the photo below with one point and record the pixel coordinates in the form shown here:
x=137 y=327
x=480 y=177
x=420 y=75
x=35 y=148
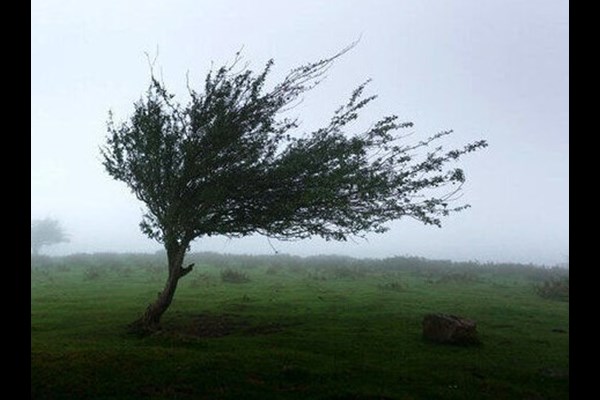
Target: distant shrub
x=554 y=289
x=233 y=276
x=63 y=268
x=458 y=277
x=347 y=272
x=154 y=269
x=41 y=261
x=114 y=267
x=78 y=260
x=273 y=269
x=92 y=274
x=200 y=279
x=247 y=262
x=325 y=272
x=395 y=286
x=317 y=276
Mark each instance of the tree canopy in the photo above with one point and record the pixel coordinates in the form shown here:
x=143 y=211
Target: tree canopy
x=46 y=232
x=225 y=163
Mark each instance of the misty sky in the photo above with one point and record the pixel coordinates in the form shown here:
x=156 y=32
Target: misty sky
x=488 y=69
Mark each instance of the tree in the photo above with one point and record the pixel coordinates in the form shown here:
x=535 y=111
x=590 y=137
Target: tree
x=229 y=162
x=46 y=232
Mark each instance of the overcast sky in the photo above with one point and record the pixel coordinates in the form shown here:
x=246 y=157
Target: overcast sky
x=488 y=69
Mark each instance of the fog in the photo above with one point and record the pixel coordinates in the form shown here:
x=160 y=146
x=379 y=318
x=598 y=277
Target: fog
x=494 y=70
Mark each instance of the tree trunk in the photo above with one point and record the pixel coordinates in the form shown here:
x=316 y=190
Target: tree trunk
x=150 y=321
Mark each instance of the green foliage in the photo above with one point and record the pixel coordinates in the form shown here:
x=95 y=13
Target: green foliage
x=395 y=286
x=229 y=163
x=92 y=274
x=63 y=268
x=233 y=276
x=201 y=280
x=45 y=232
x=273 y=269
x=554 y=289
x=458 y=277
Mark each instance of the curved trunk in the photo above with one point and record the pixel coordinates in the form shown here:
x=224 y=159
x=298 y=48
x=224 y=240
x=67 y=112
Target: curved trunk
x=150 y=320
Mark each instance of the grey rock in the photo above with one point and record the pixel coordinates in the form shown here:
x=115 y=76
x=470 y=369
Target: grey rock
x=450 y=329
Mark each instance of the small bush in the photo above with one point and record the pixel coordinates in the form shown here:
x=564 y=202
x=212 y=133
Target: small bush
x=63 y=268
x=91 y=274
x=554 y=289
x=458 y=277
x=273 y=269
x=233 y=276
x=114 y=267
x=201 y=279
x=154 y=269
x=395 y=286
x=41 y=261
x=317 y=276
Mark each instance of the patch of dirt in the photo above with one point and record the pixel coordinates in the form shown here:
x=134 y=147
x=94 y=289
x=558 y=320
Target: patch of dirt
x=214 y=326
x=207 y=325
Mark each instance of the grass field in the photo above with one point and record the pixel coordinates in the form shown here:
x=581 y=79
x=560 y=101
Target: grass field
x=284 y=327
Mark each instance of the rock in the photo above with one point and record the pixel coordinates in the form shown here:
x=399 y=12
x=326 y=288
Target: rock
x=450 y=329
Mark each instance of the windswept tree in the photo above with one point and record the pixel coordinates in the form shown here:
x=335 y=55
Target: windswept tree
x=231 y=161
x=45 y=232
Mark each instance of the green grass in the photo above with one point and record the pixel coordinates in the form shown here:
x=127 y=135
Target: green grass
x=319 y=328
